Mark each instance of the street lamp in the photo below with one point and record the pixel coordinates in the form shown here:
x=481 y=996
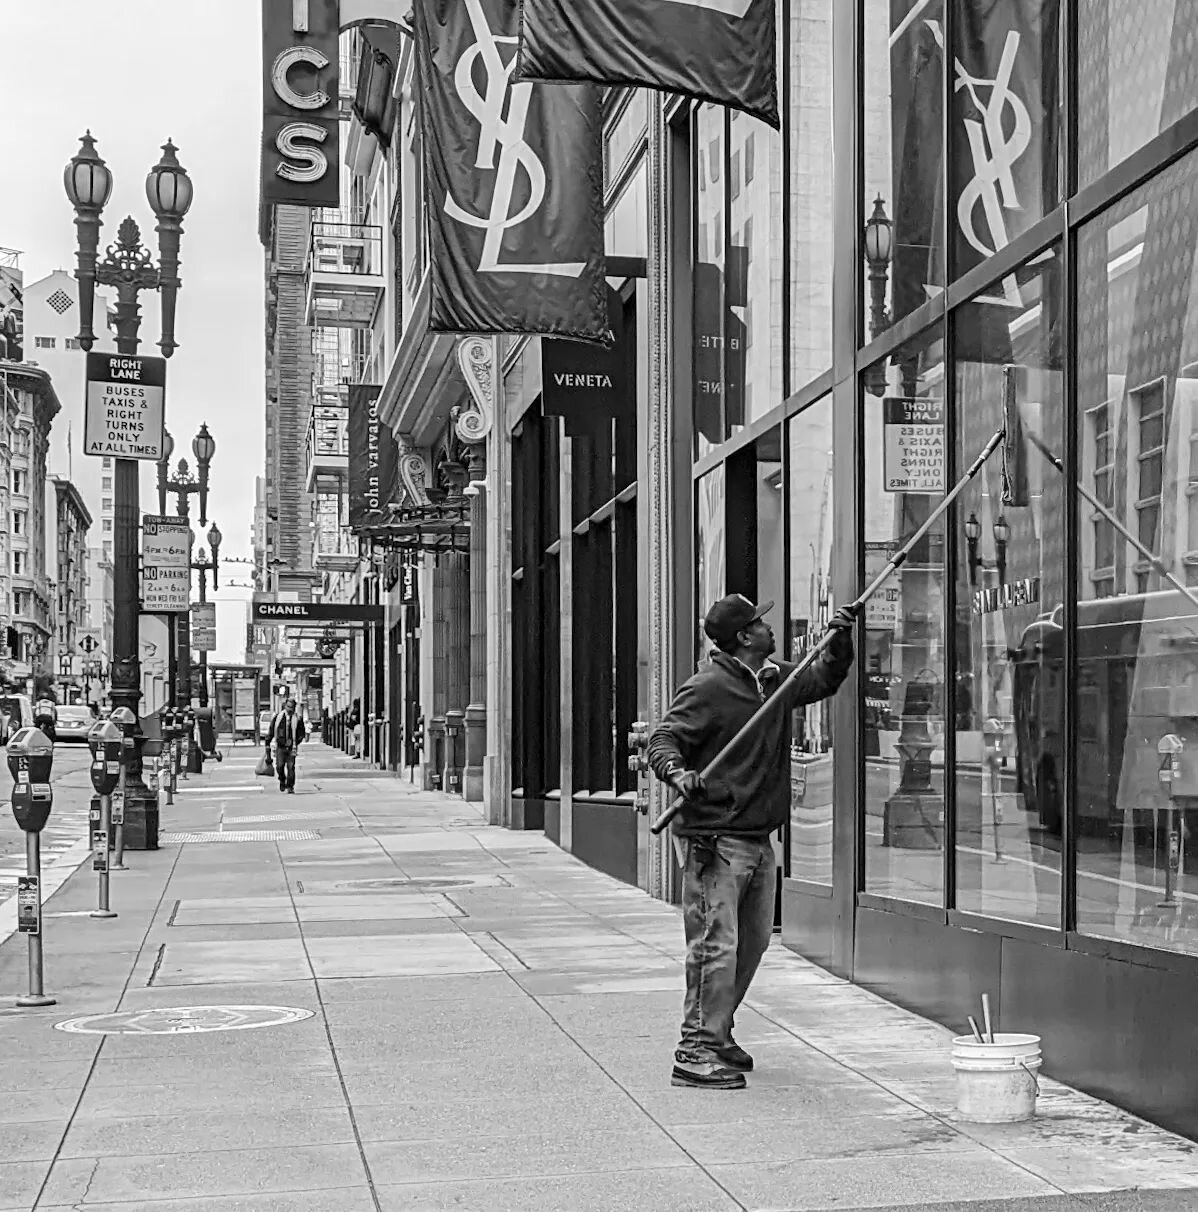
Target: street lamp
x=129 y=267
x=878 y=243
x=973 y=532
x=1002 y=536
x=184 y=484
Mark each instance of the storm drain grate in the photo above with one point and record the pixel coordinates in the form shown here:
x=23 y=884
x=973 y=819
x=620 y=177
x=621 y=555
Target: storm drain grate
x=244 y=835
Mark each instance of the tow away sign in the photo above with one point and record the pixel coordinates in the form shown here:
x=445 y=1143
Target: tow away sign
x=125 y=406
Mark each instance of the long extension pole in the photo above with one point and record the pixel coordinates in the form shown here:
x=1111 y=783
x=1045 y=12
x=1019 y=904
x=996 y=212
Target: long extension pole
x=897 y=561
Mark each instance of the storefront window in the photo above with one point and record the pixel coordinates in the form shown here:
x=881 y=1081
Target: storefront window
x=809 y=196
x=1137 y=645
x=626 y=229
x=1135 y=76
x=902 y=654
x=1010 y=684
x=711 y=553
x=810 y=512
x=903 y=114
x=716 y=374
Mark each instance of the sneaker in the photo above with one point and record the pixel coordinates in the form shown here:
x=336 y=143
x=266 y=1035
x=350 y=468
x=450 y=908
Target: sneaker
x=290 y=790
x=706 y=1075
x=735 y=1057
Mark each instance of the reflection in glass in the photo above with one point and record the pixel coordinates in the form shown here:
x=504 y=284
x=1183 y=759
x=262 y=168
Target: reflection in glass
x=809 y=198
x=1137 y=647
x=1135 y=76
x=809 y=507
x=1009 y=703
x=626 y=230
x=717 y=373
x=903 y=104
x=902 y=654
x=711 y=554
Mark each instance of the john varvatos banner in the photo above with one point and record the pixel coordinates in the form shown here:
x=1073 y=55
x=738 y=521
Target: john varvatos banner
x=713 y=50
x=513 y=179
x=373 y=460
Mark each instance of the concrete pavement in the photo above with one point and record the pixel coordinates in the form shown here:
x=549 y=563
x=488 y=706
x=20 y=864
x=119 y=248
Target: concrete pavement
x=467 y=1018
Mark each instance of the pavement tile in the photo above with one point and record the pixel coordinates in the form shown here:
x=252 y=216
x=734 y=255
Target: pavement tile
x=671 y=1190
x=34 y=1106
x=204 y=1132
x=220 y=1090
x=366 y=955
x=421 y=990
x=186 y=963
x=514 y=1075
x=1165 y=1166
x=520 y=1155
x=876 y=1182
x=340 y=1199
x=671 y=1105
x=204 y=1175
x=20 y=1183
x=34 y=1141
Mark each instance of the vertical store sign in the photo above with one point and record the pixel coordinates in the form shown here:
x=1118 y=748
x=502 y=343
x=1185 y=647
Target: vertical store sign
x=300 y=102
x=373 y=458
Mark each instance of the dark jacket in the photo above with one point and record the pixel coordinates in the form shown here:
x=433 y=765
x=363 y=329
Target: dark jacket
x=300 y=730
x=749 y=793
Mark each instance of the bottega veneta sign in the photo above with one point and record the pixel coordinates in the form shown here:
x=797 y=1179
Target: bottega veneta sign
x=300 y=102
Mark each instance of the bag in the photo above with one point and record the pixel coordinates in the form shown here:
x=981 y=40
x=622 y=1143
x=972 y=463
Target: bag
x=265 y=766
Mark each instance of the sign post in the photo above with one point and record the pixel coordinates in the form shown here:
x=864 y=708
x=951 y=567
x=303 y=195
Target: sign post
x=125 y=412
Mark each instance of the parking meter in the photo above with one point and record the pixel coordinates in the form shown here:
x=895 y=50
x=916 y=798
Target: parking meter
x=107 y=746
x=30 y=758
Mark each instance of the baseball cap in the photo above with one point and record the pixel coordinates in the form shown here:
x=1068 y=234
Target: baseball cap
x=732 y=614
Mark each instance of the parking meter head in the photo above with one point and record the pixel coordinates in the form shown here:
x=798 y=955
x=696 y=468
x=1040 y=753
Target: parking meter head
x=30 y=758
x=124 y=719
x=106 y=741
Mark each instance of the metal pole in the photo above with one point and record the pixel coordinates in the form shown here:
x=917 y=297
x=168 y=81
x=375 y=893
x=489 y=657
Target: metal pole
x=118 y=858
x=896 y=562
x=101 y=859
x=33 y=865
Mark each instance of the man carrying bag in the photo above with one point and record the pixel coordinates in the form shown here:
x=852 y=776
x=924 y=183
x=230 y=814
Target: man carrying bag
x=287 y=731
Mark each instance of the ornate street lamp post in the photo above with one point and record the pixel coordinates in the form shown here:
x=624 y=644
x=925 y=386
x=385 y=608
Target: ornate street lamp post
x=184 y=484
x=203 y=565
x=128 y=267
x=878 y=245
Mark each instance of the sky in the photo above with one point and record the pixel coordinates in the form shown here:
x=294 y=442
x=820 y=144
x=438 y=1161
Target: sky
x=137 y=72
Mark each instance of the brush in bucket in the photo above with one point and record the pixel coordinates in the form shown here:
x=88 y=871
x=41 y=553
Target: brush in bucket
x=997 y=1079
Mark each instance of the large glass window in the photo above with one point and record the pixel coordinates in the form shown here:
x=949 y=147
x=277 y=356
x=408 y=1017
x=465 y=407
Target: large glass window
x=1137 y=646
x=809 y=194
x=903 y=118
x=1010 y=684
x=904 y=647
x=711 y=550
x=811 y=522
x=1135 y=76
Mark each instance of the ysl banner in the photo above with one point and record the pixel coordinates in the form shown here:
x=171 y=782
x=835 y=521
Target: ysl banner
x=514 y=182
x=300 y=125
x=713 y=50
x=373 y=460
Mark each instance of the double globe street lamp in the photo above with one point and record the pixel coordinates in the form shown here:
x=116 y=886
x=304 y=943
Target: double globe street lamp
x=128 y=267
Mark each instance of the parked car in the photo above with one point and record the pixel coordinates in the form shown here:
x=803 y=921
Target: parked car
x=73 y=723
x=17 y=712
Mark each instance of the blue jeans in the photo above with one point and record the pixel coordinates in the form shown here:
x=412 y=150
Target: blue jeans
x=285 y=765
x=728 y=892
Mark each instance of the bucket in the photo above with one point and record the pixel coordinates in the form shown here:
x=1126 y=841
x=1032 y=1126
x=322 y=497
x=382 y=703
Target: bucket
x=996 y=1083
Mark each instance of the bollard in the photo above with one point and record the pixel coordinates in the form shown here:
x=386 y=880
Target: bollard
x=126 y=721
x=30 y=758
x=107 y=746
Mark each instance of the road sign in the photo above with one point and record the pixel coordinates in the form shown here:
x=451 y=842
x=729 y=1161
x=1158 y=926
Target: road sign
x=165 y=564
x=913 y=445
x=125 y=406
x=203 y=626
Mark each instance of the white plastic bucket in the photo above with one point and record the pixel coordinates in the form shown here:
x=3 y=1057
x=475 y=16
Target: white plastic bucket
x=996 y=1083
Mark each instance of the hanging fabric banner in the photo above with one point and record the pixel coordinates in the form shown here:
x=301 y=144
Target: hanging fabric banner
x=722 y=51
x=513 y=182
x=373 y=460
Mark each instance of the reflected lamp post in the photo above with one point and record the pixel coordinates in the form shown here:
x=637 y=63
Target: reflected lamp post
x=203 y=565
x=128 y=267
x=878 y=245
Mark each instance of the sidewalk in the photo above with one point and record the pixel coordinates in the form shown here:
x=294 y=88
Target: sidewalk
x=470 y=1019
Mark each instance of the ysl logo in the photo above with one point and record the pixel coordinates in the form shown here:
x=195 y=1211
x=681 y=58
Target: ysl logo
x=501 y=134
x=994 y=150
x=730 y=8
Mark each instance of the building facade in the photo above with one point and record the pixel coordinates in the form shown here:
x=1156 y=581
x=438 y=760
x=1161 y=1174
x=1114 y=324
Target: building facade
x=972 y=213
x=68 y=521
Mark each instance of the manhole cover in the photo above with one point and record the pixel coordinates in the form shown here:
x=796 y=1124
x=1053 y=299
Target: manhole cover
x=184 y=1020
x=421 y=883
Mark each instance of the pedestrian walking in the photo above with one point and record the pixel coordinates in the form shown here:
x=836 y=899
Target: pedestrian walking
x=723 y=831
x=287 y=731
